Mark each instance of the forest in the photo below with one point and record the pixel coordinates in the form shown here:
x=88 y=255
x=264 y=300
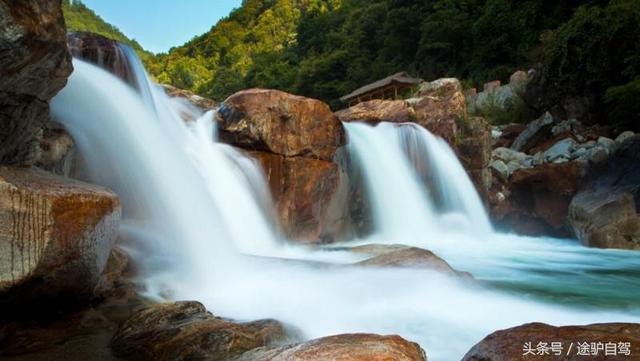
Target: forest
x=326 y=48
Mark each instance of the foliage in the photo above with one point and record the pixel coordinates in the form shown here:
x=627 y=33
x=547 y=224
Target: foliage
x=327 y=48
x=623 y=106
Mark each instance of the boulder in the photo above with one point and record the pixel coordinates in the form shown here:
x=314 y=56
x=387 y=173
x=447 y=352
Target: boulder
x=399 y=256
x=55 y=237
x=536 y=200
x=473 y=147
x=34 y=66
x=538 y=341
x=303 y=190
x=624 y=136
x=297 y=141
x=347 y=347
x=508 y=134
x=561 y=149
x=376 y=111
x=57 y=151
x=193 y=99
x=187 y=331
x=535 y=132
x=280 y=123
x=605 y=211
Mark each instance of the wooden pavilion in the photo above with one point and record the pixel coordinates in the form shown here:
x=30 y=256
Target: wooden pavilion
x=382 y=89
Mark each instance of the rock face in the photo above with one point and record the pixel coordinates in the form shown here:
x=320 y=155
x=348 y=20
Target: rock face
x=186 y=331
x=348 y=347
x=534 y=341
x=55 y=237
x=376 y=111
x=297 y=141
x=536 y=200
x=34 y=66
x=104 y=52
x=605 y=212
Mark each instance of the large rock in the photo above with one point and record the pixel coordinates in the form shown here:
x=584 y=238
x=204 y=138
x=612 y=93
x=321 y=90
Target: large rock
x=297 y=141
x=536 y=200
x=34 y=66
x=304 y=191
x=537 y=131
x=538 y=341
x=280 y=123
x=55 y=237
x=376 y=111
x=193 y=99
x=348 y=347
x=399 y=256
x=104 y=52
x=605 y=212
x=473 y=146
x=187 y=331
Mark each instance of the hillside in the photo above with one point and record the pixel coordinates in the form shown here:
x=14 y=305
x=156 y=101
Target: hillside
x=79 y=17
x=326 y=48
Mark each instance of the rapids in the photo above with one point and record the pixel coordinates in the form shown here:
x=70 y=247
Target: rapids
x=198 y=221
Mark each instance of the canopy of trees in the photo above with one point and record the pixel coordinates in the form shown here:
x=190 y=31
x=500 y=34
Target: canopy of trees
x=327 y=48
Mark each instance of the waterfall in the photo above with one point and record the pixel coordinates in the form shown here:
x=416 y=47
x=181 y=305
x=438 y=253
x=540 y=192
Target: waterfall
x=192 y=207
x=171 y=176
x=416 y=185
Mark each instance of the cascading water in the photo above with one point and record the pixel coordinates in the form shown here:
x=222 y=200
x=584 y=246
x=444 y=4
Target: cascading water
x=395 y=158
x=191 y=211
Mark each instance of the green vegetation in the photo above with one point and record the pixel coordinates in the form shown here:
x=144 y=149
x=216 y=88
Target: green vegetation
x=327 y=48
x=80 y=18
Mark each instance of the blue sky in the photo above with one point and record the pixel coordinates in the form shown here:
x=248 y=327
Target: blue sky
x=160 y=24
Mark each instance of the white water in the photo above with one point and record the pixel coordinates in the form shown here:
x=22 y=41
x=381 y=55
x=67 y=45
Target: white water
x=191 y=209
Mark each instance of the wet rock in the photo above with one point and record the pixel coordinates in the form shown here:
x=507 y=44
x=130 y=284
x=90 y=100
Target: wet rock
x=55 y=237
x=34 y=66
x=376 y=111
x=104 y=52
x=535 y=132
x=187 y=331
x=304 y=193
x=280 y=123
x=399 y=256
x=538 y=198
x=298 y=142
x=605 y=211
x=348 y=347
x=193 y=99
x=512 y=344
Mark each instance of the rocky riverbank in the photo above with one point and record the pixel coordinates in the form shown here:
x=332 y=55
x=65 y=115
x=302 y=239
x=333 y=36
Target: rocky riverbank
x=67 y=285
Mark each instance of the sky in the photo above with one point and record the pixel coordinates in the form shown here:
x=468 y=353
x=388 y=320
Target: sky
x=160 y=24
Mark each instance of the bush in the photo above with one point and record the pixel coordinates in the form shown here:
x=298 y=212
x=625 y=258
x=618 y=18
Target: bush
x=623 y=105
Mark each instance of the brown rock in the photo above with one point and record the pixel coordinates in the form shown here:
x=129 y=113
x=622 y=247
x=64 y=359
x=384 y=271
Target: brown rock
x=102 y=51
x=404 y=257
x=376 y=111
x=348 y=347
x=186 y=331
x=473 y=145
x=510 y=344
x=57 y=151
x=303 y=190
x=509 y=133
x=194 y=99
x=280 y=123
x=34 y=66
x=605 y=212
x=55 y=237
x=538 y=199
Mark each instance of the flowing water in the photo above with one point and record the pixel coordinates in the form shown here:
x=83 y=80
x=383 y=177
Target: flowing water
x=197 y=213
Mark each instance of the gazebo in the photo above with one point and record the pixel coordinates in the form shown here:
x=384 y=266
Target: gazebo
x=382 y=89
